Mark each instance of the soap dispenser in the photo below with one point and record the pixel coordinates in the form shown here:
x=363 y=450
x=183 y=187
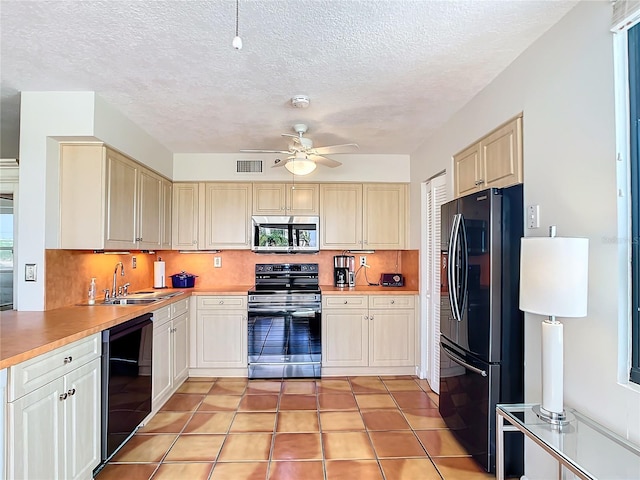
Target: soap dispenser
x=92 y=292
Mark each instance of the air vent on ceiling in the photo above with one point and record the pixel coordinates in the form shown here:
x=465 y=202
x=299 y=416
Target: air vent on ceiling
x=248 y=166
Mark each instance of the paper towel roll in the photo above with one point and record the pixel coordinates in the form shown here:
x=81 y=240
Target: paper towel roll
x=158 y=275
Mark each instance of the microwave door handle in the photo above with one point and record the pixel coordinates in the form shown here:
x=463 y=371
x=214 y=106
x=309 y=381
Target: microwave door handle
x=451 y=271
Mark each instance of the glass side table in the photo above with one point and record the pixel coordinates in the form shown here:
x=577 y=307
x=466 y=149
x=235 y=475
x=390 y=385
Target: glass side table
x=582 y=446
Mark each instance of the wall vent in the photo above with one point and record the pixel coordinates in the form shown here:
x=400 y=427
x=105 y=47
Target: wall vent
x=248 y=166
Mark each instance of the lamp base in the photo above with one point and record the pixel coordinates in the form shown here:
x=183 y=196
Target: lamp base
x=564 y=418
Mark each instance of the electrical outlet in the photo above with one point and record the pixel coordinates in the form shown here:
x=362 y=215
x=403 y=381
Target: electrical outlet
x=217 y=262
x=134 y=262
x=363 y=260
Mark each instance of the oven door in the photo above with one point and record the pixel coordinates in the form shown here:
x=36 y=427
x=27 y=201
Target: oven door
x=284 y=342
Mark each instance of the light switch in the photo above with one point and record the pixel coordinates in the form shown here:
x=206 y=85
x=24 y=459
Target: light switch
x=533 y=216
x=30 y=272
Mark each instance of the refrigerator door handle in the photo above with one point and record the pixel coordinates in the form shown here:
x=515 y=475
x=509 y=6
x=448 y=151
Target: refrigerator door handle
x=451 y=271
x=464 y=253
x=464 y=364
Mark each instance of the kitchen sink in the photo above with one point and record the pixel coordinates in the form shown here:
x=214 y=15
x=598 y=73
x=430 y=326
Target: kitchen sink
x=137 y=298
x=153 y=295
x=130 y=301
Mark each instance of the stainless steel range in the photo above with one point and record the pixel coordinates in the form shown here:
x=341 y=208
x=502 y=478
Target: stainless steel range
x=285 y=321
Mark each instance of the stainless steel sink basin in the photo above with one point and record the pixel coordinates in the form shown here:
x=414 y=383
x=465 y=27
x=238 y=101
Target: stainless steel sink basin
x=154 y=295
x=131 y=301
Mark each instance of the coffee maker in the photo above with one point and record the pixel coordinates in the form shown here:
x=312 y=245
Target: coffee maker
x=344 y=274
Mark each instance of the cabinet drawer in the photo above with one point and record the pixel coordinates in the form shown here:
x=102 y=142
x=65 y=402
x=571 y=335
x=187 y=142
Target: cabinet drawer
x=38 y=371
x=222 y=302
x=161 y=316
x=178 y=308
x=344 y=301
x=391 y=301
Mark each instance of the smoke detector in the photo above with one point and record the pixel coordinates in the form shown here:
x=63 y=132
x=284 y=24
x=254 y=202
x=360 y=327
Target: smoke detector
x=300 y=101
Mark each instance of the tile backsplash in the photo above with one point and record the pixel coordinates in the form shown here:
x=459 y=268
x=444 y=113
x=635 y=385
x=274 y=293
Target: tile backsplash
x=68 y=272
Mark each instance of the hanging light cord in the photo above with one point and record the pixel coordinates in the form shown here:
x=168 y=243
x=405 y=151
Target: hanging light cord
x=237 y=15
x=237 y=41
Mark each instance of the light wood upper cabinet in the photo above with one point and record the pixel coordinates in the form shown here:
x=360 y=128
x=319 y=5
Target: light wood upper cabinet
x=211 y=216
x=185 y=216
x=369 y=216
x=341 y=216
x=385 y=216
x=150 y=210
x=167 y=208
x=494 y=161
x=122 y=184
x=107 y=200
x=227 y=210
x=286 y=199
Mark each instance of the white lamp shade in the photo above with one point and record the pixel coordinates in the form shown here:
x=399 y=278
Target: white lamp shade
x=554 y=276
x=300 y=166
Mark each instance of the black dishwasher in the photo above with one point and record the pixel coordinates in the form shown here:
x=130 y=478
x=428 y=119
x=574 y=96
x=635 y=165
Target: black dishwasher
x=126 y=380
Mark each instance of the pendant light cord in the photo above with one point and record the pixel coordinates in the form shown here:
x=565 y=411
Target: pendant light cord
x=237 y=14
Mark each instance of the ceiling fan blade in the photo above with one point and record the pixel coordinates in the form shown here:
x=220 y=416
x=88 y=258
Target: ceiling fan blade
x=265 y=151
x=329 y=149
x=327 y=162
x=295 y=137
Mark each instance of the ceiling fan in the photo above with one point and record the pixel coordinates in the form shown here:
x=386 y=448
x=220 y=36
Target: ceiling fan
x=302 y=156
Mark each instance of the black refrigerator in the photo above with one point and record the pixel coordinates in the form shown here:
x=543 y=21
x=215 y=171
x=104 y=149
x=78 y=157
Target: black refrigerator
x=481 y=326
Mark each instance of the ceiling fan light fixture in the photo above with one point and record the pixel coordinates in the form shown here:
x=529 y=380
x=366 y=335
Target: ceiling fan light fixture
x=300 y=166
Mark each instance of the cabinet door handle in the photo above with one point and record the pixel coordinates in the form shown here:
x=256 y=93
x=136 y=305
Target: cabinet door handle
x=366 y=317
x=63 y=396
x=371 y=318
x=68 y=359
x=221 y=302
x=72 y=392
x=479 y=182
x=346 y=302
x=392 y=302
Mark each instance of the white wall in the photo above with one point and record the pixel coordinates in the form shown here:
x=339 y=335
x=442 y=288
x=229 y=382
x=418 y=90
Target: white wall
x=42 y=114
x=354 y=168
x=45 y=119
x=116 y=130
x=564 y=85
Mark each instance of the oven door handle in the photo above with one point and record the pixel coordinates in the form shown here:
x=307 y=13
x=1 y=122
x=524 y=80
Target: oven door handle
x=462 y=363
x=284 y=310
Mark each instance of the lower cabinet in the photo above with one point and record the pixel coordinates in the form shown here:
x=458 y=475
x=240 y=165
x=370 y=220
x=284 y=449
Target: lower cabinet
x=170 y=351
x=375 y=332
x=53 y=431
x=220 y=336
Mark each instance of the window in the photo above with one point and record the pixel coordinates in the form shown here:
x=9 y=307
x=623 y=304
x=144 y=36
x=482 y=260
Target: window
x=634 y=160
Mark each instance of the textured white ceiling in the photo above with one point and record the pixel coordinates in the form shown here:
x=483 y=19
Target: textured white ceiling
x=381 y=73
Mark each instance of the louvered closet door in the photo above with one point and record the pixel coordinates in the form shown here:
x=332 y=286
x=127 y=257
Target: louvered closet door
x=436 y=195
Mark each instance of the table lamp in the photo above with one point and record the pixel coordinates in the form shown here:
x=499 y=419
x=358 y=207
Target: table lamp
x=553 y=282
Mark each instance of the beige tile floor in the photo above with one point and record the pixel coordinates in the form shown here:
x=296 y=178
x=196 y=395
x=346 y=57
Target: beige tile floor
x=369 y=428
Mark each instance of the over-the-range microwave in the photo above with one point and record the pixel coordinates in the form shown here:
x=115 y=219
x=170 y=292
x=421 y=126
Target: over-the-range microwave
x=285 y=234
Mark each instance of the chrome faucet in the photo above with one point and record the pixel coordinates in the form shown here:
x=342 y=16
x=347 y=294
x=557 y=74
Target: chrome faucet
x=114 y=290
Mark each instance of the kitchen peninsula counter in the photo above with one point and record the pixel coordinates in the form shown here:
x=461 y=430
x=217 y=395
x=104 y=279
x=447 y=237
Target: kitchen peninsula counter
x=24 y=335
